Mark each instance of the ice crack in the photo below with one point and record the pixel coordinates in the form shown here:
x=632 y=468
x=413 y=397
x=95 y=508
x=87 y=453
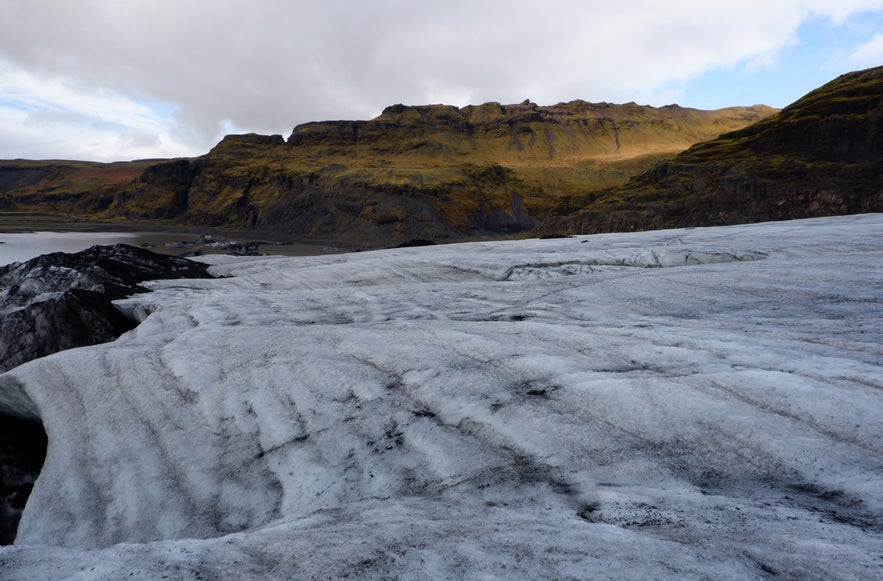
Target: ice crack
x=656 y=258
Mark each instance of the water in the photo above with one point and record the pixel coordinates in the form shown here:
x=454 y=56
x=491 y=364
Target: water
x=21 y=246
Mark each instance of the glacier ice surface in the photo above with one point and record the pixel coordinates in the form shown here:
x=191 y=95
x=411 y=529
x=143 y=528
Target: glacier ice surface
x=695 y=403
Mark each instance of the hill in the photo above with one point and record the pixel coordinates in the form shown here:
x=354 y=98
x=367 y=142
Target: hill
x=820 y=156
x=65 y=187
x=434 y=171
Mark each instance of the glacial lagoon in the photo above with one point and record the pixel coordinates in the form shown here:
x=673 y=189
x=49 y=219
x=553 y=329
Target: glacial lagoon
x=21 y=246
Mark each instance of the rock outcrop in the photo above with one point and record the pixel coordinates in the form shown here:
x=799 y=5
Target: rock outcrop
x=59 y=301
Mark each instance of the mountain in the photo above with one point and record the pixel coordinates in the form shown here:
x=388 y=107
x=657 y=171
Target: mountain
x=682 y=404
x=820 y=156
x=434 y=172
x=65 y=187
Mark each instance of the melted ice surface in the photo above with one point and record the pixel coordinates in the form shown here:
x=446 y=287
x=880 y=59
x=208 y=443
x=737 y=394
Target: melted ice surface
x=684 y=403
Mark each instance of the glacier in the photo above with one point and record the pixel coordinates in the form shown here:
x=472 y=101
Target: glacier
x=693 y=403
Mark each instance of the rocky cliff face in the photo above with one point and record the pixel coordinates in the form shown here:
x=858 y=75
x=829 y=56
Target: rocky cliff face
x=445 y=173
x=440 y=172
x=434 y=171
x=822 y=155
x=55 y=302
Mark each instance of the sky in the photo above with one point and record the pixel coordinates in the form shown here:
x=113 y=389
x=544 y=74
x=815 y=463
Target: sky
x=111 y=80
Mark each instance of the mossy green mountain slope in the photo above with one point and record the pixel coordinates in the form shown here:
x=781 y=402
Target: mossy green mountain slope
x=434 y=171
x=820 y=156
x=65 y=187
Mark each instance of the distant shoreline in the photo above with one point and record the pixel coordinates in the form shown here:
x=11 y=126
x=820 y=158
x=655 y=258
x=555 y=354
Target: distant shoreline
x=16 y=222
x=163 y=237
x=31 y=222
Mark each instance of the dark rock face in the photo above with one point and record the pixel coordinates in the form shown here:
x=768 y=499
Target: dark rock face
x=169 y=181
x=56 y=302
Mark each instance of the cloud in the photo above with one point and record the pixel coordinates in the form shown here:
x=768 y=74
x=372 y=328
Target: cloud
x=39 y=115
x=265 y=65
x=870 y=53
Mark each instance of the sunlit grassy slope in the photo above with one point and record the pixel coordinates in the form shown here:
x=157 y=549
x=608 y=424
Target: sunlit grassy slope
x=822 y=155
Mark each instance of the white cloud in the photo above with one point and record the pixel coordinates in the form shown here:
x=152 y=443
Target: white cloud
x=46 y=115
x=870 y=53
x=266 y=65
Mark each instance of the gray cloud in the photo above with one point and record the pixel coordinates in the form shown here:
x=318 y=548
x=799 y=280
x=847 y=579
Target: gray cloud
x=265 y=65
